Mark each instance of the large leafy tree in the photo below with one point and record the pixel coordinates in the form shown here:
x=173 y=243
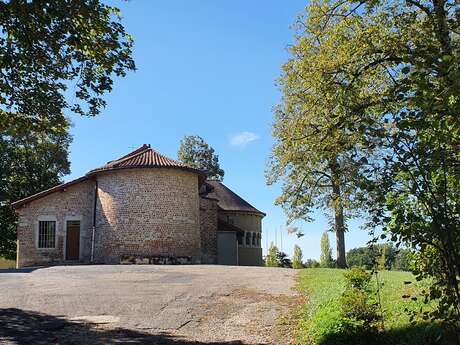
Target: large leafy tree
x=196 y=152
x=57 y=55
x=316 y=155
x=32 y=161
x=403 y=57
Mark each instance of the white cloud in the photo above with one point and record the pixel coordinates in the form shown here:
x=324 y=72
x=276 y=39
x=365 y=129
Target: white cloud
x=243 y=138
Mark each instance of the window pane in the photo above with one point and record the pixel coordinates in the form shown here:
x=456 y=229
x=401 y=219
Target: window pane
x=46 y=234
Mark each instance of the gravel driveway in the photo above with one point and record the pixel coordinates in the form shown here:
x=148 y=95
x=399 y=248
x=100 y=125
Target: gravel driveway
x=144 y=305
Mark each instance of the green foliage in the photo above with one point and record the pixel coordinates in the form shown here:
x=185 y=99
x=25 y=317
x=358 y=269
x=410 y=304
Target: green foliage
x=55 y=56
x=403 y=260
x=330 y=320
x=383 y=78
x=323 y=322
x=58 y=49
x=383 y=256
x=197 y=153
x=356 y=301
x=357 y=306
x=363 y=257
x=31 y=162
x=312 y=263
x=357 y=278
x=271 y=260
x=283 y=260
x=297 y=257
x=7 y=264
x=326 y=252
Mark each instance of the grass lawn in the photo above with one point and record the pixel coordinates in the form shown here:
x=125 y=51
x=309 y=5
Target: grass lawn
x=319 y=320
x=4 y=263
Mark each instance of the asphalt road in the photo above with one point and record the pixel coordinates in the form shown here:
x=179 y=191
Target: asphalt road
x=144 y=304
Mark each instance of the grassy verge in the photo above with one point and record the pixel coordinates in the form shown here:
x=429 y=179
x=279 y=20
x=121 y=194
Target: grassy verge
x=321 y=320
x=4 y=263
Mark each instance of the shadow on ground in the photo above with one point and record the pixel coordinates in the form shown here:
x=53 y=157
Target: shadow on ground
x=419 y=334
x=19 y=270
x=27 y=327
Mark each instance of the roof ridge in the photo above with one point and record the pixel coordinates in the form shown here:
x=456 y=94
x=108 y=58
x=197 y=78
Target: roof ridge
x=171 y=159
x=133 y=154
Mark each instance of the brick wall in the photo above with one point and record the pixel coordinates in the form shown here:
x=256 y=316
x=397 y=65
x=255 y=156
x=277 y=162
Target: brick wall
x=208 y=230
x=75 y=203
x=147 y=212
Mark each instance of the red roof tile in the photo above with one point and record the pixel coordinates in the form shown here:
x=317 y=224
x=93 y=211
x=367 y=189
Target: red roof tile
x=144 y=157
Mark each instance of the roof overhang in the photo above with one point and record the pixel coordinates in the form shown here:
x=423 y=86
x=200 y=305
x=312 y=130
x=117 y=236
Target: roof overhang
x=46 y=192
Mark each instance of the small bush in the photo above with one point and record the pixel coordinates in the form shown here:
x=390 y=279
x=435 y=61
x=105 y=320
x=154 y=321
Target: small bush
x=357 y=278
x=356 y=304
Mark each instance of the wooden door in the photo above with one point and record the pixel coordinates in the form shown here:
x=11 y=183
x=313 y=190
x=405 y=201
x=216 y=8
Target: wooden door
x=73 y=240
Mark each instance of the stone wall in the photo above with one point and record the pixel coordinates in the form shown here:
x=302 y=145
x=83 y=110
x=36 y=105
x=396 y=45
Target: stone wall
x=208 y=230
x=151 y=212
x=73 y=203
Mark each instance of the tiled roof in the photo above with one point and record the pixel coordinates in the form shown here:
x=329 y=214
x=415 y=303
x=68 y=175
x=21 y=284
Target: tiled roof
x=227 y=199
x=45 y=192
x=144 y=157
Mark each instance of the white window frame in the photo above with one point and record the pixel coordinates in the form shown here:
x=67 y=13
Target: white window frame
x=37 y=231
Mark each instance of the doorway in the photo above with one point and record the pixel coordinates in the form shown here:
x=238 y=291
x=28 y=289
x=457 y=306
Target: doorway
x=73 y=240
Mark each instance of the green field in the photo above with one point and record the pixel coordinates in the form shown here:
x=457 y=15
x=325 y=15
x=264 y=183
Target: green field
x=319 y=319
x=4 y=263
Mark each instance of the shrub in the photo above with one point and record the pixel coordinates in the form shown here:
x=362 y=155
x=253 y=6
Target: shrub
x=357 y=278
x=283 y=260
x=357 y=305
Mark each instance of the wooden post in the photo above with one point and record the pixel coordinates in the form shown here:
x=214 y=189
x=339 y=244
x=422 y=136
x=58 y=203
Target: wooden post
x=17 y=254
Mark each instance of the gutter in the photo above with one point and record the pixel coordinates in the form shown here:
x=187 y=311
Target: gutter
x=94 y=221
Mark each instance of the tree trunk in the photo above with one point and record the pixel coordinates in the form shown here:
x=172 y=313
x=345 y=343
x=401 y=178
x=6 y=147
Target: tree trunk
x=340 y=238
x=339 y=223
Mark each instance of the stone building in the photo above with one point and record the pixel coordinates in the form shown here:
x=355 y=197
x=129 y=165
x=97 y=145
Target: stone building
x=142 y=206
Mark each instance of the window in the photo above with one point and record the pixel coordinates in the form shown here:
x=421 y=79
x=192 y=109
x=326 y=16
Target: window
x=259 y=237
x=254 y=243
x=240 y=239
x=46 y=234
x=248 y=238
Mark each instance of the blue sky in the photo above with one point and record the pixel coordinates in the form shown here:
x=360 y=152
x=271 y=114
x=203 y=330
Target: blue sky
x=206 y=68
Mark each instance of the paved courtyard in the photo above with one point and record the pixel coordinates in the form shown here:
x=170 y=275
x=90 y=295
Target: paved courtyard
x=144 y=305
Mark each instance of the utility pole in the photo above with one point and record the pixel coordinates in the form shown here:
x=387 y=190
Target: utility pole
x=281 y=234
x=276 y=237
x=266 y=242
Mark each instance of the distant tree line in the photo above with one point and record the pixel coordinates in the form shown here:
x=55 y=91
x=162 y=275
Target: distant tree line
x=377 y=256
x=382 y=256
